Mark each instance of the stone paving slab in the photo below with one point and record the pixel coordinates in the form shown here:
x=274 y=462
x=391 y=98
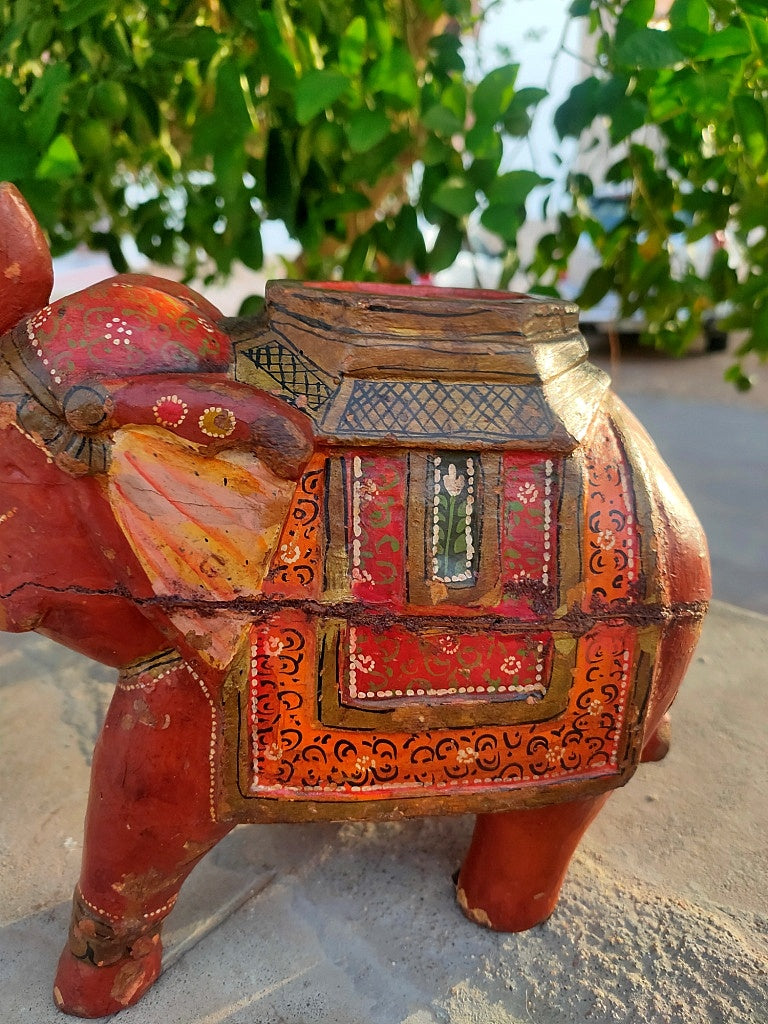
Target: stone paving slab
x=663 y=918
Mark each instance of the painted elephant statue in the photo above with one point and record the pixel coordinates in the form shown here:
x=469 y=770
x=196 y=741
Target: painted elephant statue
x=378 y=552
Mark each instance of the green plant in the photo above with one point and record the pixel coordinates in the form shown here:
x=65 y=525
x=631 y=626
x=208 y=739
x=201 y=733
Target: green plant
x=186 y=125
x=683 y=104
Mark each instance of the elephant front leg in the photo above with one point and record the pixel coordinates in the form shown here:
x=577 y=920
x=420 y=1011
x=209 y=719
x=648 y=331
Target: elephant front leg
x=516 y=863
x=150 y=819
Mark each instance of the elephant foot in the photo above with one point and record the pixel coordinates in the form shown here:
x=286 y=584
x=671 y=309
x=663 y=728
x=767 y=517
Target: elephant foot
x=657 y=745
x=511 y=877
x=106 y=965
x=84 y=990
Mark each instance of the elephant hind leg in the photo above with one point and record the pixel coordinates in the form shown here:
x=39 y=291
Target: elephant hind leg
x=517 y=860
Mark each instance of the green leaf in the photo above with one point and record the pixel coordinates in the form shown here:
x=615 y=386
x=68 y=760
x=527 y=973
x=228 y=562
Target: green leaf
x=50 y=90
x=626 y=117
x=494 y=94
x=530 y=96
x=446 y=53
x=649 y=48
x=400 y=237
x=730 y=42
x=142 y=102
x=280 y=199
x=638 y=12
x=366 y=128
x=504 y=219
x=735 y=375
x=317 y=91
x=442 y=121
x=394 y=75
x=253 y=305
x=690 y=14
x=193 y=42
x=455 y=196
x=514 y=187
x=597 y=286
x=79 y=11
x=482 y=173
x=356 y=262
x=110 y=243
x=17 y=159
x=580 y=108
x=249 y=249
x=340 y=203
x=749 y=115
x=273 y=58
x=352 y=46
x=446 y=248
x=60 y=160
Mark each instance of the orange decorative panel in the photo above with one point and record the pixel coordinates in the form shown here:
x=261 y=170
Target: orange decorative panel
x=293 y=753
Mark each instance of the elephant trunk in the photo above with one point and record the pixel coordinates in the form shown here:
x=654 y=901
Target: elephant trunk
x=26 y=270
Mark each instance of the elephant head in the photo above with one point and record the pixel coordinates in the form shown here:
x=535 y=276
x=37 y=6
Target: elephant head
x=139 y=484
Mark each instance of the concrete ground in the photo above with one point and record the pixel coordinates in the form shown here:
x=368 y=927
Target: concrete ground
x=664 y=914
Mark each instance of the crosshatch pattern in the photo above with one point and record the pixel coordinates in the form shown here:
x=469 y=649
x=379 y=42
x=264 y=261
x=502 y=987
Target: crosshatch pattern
x=442 y=409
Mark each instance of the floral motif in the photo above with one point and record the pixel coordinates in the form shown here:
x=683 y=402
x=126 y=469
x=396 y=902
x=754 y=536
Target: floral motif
x=606 y=539
x=466 y=755
x=452 y=483
x=611 y=542
x=511 y=666
x=273 y=646
x=290 y=553
x=553 y=756
x=364 y=663
x=527 y=493
x=170 y=411
x=454 y=522
x=274 y=752
x=368 y=490
x=448 y=644
x=217 y=422
x=117 y=331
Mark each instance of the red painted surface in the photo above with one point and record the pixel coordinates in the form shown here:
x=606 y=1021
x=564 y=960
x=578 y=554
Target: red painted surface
x=26 y=270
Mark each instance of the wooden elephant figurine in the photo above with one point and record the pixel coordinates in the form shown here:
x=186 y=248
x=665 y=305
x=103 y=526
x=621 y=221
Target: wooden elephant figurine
x=381 y=551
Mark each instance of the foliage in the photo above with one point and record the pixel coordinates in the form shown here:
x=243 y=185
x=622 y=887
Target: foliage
x=684 y=105
x=186 y=125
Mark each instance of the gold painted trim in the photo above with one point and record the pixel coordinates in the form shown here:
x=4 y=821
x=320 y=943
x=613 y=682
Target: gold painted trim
x=570 y=531
x=337 y=584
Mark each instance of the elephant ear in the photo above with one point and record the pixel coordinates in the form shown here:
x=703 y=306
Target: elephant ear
x=204 y=529
x=203 y=501
x=26 y=271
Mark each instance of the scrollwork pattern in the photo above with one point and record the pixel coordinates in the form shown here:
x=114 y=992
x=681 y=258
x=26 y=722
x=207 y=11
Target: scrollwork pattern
x=295 y=755
x=611 y=545
x=295 y=570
